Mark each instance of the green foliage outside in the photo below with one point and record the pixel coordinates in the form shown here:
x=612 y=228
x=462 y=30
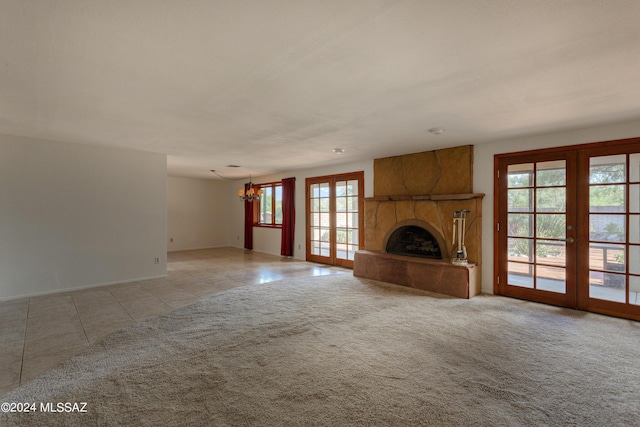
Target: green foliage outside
x=342 y=236
x=548 y=226
x=552 y=199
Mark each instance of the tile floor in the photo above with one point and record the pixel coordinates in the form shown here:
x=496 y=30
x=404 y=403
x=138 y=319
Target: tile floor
x=38 y=333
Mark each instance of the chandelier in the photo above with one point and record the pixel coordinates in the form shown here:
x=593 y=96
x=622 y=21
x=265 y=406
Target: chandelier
x=251 y=193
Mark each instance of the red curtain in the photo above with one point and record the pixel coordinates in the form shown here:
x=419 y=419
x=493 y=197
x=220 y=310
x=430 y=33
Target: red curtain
x=248 y=222
x=288 y=216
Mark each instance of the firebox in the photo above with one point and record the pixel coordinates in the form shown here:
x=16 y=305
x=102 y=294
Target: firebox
x=415 y=241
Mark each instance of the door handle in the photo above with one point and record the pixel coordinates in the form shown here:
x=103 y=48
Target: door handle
x=569 y=240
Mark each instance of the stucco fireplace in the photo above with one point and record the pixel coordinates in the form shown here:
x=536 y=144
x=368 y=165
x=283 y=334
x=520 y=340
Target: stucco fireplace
x=408 y=222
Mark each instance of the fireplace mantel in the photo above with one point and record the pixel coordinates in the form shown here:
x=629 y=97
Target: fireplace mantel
x=434 y=197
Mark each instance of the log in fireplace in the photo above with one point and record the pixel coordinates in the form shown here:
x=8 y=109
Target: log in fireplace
x=412 y=240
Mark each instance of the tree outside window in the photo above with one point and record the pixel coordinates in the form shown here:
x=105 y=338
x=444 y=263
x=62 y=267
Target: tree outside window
x=269 y=208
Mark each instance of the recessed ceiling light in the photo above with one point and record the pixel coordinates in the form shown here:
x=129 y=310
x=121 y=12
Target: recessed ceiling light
x=338 y=150
x=233 y=166
x=436 y=131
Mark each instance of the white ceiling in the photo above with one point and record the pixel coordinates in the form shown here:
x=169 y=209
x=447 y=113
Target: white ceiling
x=275 y=85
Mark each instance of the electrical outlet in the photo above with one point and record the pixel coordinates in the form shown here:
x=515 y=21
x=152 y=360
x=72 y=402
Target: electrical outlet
x=156 y=260
x=299 y=246
x=171 y=240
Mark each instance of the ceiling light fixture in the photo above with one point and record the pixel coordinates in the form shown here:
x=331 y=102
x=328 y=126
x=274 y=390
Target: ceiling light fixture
x=338 y=150
x=250 y=194
x=437 y=131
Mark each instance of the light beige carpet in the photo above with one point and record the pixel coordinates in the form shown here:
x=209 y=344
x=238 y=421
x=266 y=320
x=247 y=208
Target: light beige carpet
x=338 y=351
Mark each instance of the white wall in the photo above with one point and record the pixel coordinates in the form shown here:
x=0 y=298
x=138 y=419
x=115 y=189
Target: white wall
x=74 y=216
x=197 y=213
x=268 y=239
x=483 y=172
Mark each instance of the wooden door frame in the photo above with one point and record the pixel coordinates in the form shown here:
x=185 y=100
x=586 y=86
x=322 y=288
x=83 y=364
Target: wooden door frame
x=583 y=153
x=332 y=179
x=568 y=299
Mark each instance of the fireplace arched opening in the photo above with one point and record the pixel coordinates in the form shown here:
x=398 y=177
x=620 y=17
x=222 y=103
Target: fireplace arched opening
x=413 y=240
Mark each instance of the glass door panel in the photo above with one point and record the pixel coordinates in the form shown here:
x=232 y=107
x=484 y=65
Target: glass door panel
x=607 y=228
x=319 y=223
x=347 y=224
x=334 y=206
x=614 y=231
x=537 y=218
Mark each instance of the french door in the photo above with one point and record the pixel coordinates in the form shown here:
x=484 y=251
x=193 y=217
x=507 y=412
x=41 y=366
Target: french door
x=568 y=227
x=537 y=227
x=334 y=206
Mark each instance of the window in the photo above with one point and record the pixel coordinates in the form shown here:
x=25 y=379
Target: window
x=268 y=210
